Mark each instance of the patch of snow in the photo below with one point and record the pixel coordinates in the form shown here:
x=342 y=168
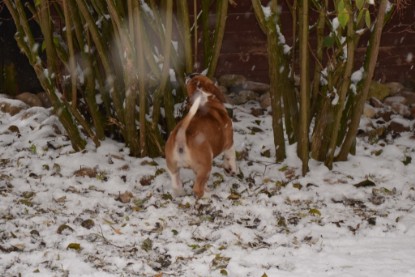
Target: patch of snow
x=409 y=57
x=357 y=76
x=267 y=11
x=268 y=220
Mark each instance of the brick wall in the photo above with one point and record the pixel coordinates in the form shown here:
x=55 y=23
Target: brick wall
x=244 y=46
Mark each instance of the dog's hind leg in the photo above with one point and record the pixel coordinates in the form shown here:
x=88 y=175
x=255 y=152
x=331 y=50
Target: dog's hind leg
x=229 y=163
x=202 y=176
x=176 y=182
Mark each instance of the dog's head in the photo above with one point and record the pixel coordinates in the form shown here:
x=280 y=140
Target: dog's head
x=198 y=83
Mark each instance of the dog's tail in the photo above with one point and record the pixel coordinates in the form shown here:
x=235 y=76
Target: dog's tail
x=181 y=134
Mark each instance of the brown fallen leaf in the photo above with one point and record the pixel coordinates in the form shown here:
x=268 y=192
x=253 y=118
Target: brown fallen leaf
x=124 y=197
x=365 y=183
x=146 y=180
x=86 y=172
x=117 y=231
x=60 y=199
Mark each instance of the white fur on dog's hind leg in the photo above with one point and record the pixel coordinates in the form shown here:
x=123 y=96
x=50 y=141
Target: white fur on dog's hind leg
x=230 y=161
x=176 y=183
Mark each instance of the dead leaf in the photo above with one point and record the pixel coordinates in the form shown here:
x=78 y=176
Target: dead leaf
x=60 y=199
x=124 y=197
x=234 y=196
x=14 y=129
x=64 y=227
x=88 y=223
x=151 y=163
x=354 y=229
x=220 y=262
x=10 y=249
x=146 y=180
x=297 y=186
x=72 y=189
x=74 y=246
x=28 y=194
x=365 y=184
x=86 y=172
x=117 y=231
x=314 y=212
x=147 y=245
x=26 y=202
x=124 y=167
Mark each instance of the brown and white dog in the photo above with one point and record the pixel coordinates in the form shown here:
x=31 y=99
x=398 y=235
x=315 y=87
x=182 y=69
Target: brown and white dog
x=204 y=133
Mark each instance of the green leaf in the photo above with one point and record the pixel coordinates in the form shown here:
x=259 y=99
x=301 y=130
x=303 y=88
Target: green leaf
x=328 y=42
x=74 y=246
x=167 y=196
x=297 y=186
x=367 y=18
x=159 y=171
x=340 y=6
x=315 y=212
x=360 y=4
x=43 y=46
x=343 y=17
x=33 y=149
x=283 y=168
x=194 y=246
x=360 y=15
x=56 y=41
x=223 y=272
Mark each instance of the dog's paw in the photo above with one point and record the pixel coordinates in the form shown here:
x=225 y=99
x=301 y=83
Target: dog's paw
x=229 y=163
x=230 y=171
x=198 y=192
x=178 y=192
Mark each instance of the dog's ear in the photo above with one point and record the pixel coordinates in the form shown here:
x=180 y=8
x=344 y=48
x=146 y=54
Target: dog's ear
x=204 y=83
x=212 y=88
x=194 y=74
x=191 y=85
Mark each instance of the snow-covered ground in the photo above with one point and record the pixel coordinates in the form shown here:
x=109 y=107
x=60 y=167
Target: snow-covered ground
x=104 y=213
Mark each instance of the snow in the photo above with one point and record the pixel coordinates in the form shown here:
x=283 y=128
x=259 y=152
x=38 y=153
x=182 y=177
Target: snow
x=268 y=220
x=335 y=24
x=267 y=11
x=35 y=48
x=409 y=57
x=357 y=76
x=146 y=8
